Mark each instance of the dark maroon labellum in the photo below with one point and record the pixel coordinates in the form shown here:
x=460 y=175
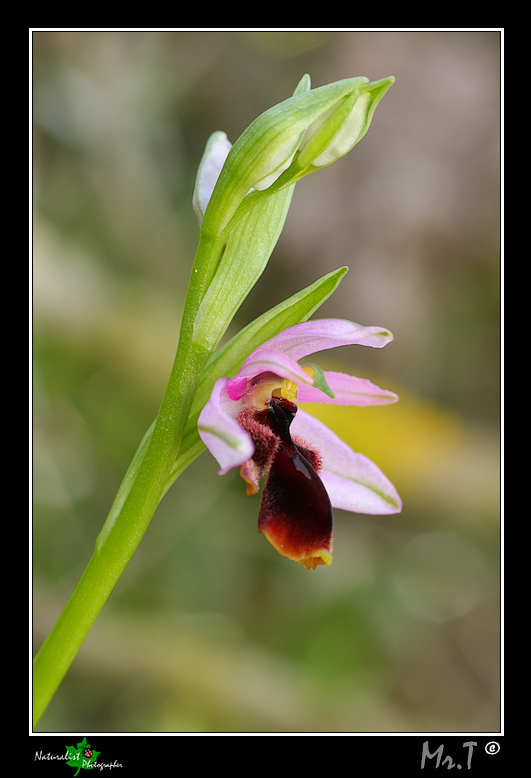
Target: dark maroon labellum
x=295 y=514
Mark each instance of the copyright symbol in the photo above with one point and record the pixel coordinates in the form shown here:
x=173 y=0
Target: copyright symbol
x=492 y=747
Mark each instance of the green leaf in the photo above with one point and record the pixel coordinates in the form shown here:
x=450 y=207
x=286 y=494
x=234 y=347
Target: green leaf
x=228 y=359
x=227 y=267
x=246 y=254
x=245 y=258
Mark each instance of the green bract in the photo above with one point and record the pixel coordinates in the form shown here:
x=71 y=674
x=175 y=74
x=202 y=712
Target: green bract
x=244 y=259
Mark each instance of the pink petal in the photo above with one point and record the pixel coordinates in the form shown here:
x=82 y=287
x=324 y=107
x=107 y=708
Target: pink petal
x=348 y=390
x=216 y=151
x=220 y=432
x=266 y=360
x=310 y=337
x=353 y=482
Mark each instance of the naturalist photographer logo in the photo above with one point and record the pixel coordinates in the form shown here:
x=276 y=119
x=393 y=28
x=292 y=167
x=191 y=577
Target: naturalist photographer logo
x=81 y=757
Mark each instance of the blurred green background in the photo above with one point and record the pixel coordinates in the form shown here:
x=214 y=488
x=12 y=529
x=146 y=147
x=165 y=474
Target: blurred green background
x=209 y=629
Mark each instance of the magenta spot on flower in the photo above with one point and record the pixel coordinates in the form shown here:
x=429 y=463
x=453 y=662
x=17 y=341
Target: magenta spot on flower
x=236 y=387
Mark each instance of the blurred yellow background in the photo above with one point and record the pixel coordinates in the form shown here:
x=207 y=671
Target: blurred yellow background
x=209 y=629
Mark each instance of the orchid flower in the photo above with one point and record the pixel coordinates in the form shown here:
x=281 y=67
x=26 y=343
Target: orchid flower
x=252 y=421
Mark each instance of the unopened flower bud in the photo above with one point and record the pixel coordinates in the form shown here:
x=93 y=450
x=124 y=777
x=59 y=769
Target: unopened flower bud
x=307 y=131
x=269 y=146
x=336 y=131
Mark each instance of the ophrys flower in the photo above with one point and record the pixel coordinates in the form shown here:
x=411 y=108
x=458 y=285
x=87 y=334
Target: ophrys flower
x=253 y=421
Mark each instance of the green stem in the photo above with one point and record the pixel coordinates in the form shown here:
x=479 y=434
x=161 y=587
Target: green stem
x=142 y=489
x=155 y=465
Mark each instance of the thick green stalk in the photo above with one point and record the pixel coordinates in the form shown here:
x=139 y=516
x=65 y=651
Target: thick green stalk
x=144 y=485
x=135 y=505
x=148 y=477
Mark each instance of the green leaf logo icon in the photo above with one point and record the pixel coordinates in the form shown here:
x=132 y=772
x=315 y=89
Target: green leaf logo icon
x=82 y=756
